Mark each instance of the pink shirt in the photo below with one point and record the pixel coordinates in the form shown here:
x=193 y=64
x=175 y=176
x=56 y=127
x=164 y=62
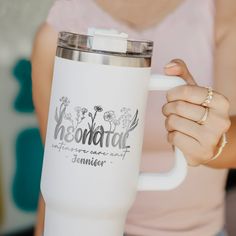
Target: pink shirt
x=196 y=208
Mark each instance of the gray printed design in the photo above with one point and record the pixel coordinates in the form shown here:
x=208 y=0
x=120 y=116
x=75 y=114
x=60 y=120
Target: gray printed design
x=93 y=128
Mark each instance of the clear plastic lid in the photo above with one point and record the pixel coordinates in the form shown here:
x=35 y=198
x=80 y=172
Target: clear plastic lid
x=106 y=42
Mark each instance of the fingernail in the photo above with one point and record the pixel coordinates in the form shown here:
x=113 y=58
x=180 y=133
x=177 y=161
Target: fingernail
x=171 y=64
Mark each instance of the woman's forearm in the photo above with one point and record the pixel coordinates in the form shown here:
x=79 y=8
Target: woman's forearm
x=227 y=159
x=40 y=217
x=42 y=59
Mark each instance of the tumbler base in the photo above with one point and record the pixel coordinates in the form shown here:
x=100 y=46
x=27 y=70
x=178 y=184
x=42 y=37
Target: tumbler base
x=58 y=224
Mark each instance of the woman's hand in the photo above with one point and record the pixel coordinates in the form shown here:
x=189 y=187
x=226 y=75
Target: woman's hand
x=183 y=110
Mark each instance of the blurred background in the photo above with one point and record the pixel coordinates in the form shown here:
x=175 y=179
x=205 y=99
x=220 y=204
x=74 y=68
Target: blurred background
x=20 y=145
x=21 y=149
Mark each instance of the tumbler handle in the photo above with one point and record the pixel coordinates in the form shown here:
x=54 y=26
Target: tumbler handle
x=174 y=177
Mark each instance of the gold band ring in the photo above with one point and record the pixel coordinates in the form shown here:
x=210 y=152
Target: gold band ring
x=204 y=117
x=209 y=97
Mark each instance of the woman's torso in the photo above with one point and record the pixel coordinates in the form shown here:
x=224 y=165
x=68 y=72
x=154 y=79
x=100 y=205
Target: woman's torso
x=197 y=206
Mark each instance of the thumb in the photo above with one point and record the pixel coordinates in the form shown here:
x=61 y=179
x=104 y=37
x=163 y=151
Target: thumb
x=178 y=67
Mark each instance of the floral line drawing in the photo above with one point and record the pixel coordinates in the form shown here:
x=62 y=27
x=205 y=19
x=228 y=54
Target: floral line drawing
x=126 y=120
x=93 y=117
x=80 y=115
x=59 y=114
x=134 y=122
x=110 y=117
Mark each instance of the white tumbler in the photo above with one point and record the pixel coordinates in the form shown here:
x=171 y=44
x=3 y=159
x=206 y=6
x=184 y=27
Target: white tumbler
x=95 y=134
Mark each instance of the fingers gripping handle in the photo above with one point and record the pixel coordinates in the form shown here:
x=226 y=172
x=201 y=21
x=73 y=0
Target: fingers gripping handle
x=174 y=177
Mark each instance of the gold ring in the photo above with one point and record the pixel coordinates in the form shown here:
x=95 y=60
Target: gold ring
x=204 y=117
x=209 y=97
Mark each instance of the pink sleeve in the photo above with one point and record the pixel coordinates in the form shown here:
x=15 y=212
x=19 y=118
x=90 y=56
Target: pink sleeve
x=63 y=16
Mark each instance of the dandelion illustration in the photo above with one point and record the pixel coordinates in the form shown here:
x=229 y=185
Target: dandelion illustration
x=125 y=109
x=125 y=118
